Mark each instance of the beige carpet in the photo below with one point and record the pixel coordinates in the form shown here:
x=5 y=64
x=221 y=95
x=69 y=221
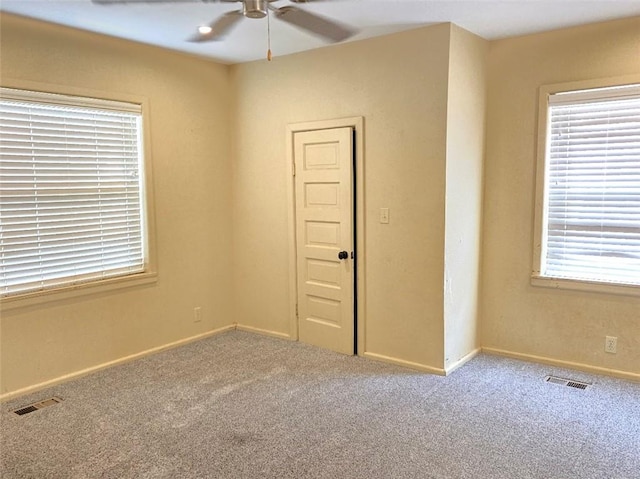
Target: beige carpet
x=246 y=406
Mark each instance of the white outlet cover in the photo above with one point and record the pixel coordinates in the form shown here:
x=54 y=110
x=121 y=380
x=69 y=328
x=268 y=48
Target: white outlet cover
x=611 y=344
x=384 y=215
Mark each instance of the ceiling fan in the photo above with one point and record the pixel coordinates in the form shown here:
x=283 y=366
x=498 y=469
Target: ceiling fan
x=315 y=24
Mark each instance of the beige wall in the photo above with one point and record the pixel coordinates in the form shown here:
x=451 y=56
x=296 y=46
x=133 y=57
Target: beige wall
x=189 y=121
x=517 y=317
x=463 y=204
x=222 y=225
x=398 y=83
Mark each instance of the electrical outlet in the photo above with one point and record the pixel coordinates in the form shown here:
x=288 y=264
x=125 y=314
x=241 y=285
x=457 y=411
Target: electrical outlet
x=610 y=344
x=384 y=215
x=197 y=314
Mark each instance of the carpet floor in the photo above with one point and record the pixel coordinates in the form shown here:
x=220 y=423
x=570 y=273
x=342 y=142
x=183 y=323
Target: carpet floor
x=240 y=405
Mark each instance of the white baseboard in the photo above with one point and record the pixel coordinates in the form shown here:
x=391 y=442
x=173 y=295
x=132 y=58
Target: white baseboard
x=616 y=373
x=266 y=332
x=378 y=357
x=406 y=364
x=99 y=367
x=461 y=362
x=374 y=356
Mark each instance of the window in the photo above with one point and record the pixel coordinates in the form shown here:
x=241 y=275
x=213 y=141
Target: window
x=71 y=191
x=589 y=213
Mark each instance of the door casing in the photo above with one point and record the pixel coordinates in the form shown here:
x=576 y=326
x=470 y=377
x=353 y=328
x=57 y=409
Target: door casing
x=357 y=123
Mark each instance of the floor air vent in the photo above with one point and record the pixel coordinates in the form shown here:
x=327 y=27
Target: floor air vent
x=37 y=405
x=567 y=382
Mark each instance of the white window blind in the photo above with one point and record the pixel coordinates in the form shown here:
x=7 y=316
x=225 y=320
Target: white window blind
x=70 y=191
x=593 y=186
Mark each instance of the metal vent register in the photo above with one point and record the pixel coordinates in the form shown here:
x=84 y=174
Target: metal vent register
x=37 y=405
x=567 y=382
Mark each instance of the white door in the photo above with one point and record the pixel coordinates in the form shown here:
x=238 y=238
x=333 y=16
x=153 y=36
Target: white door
x=324 y=236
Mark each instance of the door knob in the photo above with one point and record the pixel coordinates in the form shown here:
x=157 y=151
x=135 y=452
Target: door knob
x=343 y=255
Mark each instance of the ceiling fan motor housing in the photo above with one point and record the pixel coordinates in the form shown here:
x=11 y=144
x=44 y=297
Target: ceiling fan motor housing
x=255 y=8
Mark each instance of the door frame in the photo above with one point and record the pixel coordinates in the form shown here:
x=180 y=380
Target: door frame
x=357 y=123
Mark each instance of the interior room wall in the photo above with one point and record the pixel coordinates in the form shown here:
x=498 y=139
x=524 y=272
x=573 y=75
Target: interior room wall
x=220 y=180
x=463 y=198
x=189 y=122
x=398 y=83
x=537 y=322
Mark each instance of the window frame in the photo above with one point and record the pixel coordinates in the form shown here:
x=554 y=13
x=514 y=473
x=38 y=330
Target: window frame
x=537 y=279
x=149 y=273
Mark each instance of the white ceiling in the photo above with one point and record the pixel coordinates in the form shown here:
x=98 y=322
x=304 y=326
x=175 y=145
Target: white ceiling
x=168 y=25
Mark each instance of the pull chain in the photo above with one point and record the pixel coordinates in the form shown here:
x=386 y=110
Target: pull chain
x=268 y=35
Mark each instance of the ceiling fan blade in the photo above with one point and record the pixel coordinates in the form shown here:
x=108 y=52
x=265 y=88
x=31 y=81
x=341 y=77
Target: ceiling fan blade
x=219 y=27
x=321 y=26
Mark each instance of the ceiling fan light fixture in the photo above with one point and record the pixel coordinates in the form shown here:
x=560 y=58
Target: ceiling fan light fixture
x=255 y=8
x=326 y=28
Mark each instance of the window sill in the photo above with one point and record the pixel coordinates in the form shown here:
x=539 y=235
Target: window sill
x=68 y=292
x=589 y=286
